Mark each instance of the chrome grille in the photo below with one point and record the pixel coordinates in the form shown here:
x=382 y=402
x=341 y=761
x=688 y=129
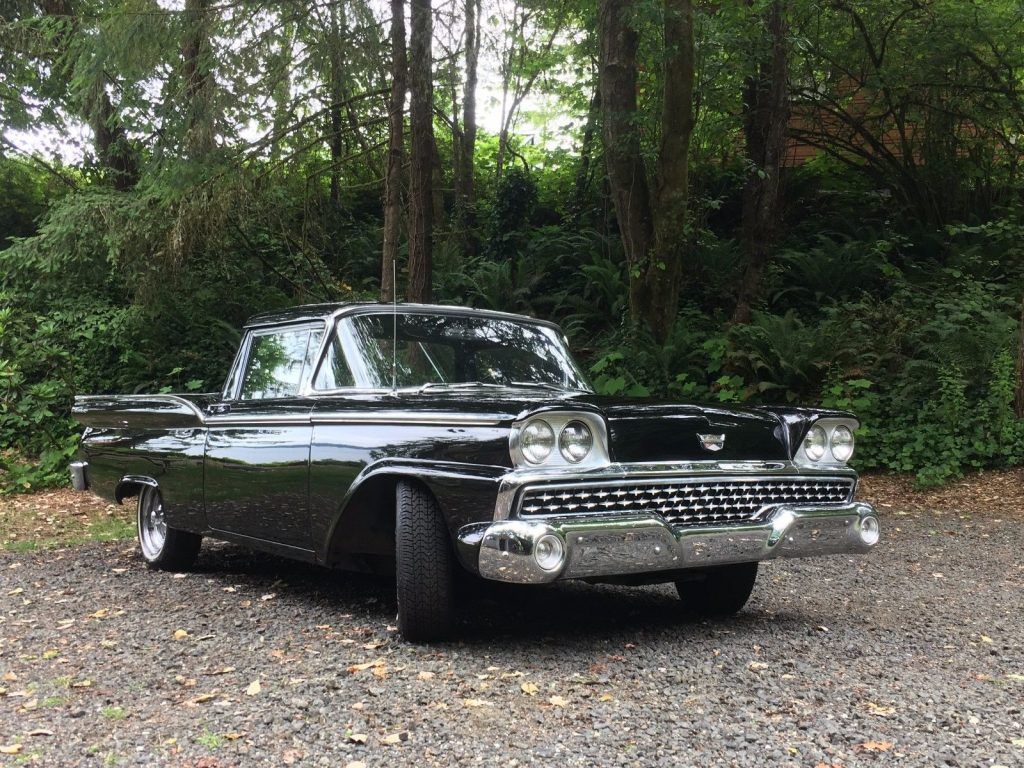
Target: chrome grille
x=685 y=502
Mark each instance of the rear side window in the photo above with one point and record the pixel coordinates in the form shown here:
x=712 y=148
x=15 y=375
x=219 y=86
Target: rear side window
x=277 y=362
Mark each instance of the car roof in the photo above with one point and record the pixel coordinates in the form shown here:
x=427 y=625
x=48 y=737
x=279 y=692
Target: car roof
x=309 y=312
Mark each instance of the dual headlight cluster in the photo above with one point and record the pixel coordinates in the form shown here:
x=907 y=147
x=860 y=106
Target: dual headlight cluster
x=537 y=441
x=829 y=443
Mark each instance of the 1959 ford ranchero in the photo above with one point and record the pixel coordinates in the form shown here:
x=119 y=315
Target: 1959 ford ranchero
x=426 y=438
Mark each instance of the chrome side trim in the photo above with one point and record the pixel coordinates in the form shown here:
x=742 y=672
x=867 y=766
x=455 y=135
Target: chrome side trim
x=82 y=401
x=406 y=417
x=637 y=544
x=398 y=418
x=512 y=483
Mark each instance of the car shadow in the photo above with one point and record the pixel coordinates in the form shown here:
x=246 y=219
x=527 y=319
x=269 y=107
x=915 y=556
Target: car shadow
x=526 y=615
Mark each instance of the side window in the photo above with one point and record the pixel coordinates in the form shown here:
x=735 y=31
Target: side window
x=334 y=373
x=277 y=360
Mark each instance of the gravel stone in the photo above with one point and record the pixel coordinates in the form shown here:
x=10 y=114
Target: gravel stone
x=910 y=656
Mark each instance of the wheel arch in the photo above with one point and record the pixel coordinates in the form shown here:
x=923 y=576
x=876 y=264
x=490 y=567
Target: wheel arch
x=130 y=486
x=364 y=520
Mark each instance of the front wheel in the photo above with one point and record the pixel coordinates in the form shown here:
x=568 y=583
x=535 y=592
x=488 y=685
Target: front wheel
x=425 y=566
x=718 y=592
x=163 y=547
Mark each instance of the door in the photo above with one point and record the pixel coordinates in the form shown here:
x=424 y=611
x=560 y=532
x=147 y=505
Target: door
x=257 y=449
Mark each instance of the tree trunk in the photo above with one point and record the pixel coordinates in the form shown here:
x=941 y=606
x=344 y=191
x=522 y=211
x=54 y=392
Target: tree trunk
x=765 y=127
x=114 y=151
x=421 y=155
x=651 y=223
x=627 y=175
x=1018 y=395
x=196 y=72
x=586 y=150
x=396 y=152
x=336 y=91
x=465 y=189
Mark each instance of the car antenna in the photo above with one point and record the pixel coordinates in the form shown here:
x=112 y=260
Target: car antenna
x=394 y=328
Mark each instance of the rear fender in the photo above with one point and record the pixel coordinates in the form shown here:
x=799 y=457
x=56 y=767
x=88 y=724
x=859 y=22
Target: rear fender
x=132 y=485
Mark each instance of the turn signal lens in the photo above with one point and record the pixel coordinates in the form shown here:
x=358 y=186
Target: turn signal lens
x=537 y=440
x=870 y=531
x=548 y=552
x=815 y=444
x=842 y=443
x=575 y=442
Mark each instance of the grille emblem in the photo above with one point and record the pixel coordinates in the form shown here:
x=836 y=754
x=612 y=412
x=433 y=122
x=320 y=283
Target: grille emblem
x=712 y=442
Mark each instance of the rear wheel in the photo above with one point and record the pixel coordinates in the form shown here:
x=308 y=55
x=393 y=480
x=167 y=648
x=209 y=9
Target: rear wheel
x=720 y=591
x=163 y=547
x=425 y=566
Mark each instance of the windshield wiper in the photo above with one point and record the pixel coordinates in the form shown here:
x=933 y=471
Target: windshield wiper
x=456 y=385
x=544 y=385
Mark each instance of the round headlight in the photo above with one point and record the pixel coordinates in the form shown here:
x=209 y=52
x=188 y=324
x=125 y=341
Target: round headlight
x=815 y=444
x=842 y=443
x=537 y=441
x=575 y=441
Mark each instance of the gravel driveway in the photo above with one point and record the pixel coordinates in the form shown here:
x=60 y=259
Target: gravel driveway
x=913 y=655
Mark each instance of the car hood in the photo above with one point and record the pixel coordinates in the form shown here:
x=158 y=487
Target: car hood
x=639 y=429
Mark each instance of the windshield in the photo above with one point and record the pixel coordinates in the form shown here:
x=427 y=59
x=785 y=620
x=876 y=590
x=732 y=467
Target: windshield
x=449 y=350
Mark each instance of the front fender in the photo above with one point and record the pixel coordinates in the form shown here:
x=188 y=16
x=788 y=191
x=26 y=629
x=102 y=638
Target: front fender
x=362 y=522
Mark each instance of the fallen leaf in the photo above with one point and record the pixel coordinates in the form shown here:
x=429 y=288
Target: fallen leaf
x=395 y=738
x=271 y=596
x=366 y=665
x=10 y=677
x=233 y=736
x=203 y=697
x=40 y=732
x=873 y=746
x=31 y=704
x=757 y=666
x=82 y=684
x=530 y=689
x=1016 y=677
x=381 y=671
x=607 y=697
x=1017 y=742
x=476 y=703
x=558 y=701
x=373 y=646
x=877 y=709
x=254 y=688
x=355 y=764
x=223 y=671
x=10 y=749
x=986 y=639
x=355 y=738
x=16 y=591
x=100 y=614
x=180 y=634
x=425 y=676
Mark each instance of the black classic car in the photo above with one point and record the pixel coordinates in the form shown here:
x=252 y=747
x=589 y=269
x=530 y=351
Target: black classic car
x=427 y=439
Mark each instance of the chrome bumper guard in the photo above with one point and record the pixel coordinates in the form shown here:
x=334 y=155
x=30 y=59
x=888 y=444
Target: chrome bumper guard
x=622 y=545
x=79 y=475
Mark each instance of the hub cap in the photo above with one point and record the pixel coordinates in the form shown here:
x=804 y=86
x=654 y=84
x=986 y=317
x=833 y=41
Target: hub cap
x=152 y=525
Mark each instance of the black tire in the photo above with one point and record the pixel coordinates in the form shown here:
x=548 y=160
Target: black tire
x=425 y=566
x=163 y=547
x=718 y=592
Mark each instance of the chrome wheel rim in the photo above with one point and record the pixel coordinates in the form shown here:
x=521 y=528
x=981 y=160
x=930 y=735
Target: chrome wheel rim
x=152 y=524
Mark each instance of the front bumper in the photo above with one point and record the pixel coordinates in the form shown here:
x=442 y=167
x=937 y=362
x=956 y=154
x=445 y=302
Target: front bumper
x=639 y=544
